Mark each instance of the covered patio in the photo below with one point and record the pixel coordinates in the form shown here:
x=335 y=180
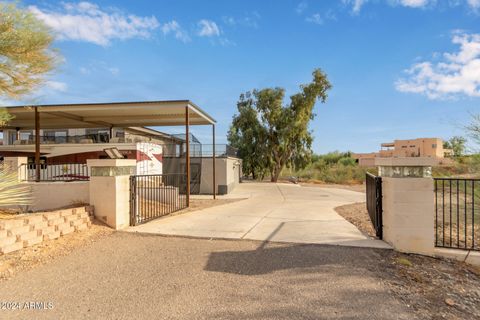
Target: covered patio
x=109 y=115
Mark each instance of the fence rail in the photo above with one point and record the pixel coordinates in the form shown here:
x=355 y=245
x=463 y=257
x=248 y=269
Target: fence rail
x=457 y=213
x=374 y=202
x=154 y=196
x=56 y=172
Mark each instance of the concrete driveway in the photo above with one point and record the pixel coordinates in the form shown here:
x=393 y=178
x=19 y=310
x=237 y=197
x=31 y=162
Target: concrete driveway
x=272 y=212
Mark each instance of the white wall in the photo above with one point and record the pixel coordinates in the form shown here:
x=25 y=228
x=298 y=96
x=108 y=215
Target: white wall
x=54 y=195
x=227 y=174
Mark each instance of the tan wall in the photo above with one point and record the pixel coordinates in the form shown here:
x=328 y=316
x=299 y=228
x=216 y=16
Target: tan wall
x=227 y=174
x=111 y=198
x=366 y=162
x=408 y=214
x=54 y=195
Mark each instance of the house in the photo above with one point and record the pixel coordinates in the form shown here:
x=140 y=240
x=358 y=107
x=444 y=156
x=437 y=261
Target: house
x=65 y=145
x=421 y=147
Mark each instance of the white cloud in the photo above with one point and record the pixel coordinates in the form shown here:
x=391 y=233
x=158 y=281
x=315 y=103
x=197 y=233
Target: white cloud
x=84 y=70
x=456 y=74
x=174 y=28
x=320 y=19
x=302 y=6
x=56 y=85
x=474 y=5
x=248 y=20
x=208 y=28
x=85 y=21
x=315 y=18
x=114 y=71
x=415 y=3
x=356 y=5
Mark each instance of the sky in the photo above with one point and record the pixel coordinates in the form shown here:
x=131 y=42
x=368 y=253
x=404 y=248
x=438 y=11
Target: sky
x=400 y=69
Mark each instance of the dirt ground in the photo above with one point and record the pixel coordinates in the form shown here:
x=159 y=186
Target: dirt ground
x=357 y=215
x=434 y=288
x=28 y=258
x=47 y=251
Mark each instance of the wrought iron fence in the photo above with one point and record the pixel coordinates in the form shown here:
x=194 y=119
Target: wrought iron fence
x=154 y=196
x=56 y=172
x=374 y=202
x=457 y=213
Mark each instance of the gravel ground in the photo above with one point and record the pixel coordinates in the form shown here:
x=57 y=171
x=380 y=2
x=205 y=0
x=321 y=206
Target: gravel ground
x=28 y=258
x=100 y=274
x=435 y=288
x=133 y=276
x=357 y=215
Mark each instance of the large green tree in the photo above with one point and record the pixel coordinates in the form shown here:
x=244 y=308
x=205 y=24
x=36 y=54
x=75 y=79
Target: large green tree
x=248 y=136
x=25 y=54
x=271 y=135
x=456 y=144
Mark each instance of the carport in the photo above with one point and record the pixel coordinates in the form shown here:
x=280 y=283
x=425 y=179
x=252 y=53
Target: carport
x=109 y=115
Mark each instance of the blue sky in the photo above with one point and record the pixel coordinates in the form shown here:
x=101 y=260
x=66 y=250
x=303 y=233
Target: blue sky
x=399 y=68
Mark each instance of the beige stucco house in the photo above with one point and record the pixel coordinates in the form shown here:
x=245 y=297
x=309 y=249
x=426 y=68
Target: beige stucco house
x=420 y=147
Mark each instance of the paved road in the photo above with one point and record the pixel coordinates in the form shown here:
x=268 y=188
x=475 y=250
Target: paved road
x=275 y=212
x=133 y=276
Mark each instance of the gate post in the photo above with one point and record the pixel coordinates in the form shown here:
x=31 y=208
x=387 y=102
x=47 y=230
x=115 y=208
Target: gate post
x=110 y=190
x=408 y=204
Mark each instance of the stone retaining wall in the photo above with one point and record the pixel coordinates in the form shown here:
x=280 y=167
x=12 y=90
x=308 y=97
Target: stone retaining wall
x=27 y=230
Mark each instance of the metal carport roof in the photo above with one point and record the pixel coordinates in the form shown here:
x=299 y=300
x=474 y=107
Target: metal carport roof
x=117 y=114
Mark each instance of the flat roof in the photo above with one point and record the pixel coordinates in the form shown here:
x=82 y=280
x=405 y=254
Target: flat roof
x=114 y=114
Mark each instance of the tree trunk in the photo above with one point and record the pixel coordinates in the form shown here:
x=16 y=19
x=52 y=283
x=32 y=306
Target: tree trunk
x=276 y=172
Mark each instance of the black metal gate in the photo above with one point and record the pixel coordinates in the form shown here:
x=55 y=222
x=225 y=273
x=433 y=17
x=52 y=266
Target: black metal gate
x=154 y=196
x=457 y=213
x=374 y=202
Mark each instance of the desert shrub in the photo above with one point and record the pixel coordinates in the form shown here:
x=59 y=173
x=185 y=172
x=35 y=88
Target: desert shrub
x=334 y=167
x=463 y=166
x=13 y=192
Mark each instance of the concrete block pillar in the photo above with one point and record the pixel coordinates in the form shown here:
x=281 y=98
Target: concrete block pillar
x=17 y=164
x=408 y=204
x=110 y=190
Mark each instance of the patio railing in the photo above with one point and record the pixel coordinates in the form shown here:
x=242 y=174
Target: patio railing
x=56 y=172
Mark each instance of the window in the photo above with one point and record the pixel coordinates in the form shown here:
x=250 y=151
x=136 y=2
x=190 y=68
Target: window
x=55 y=136
x=434 y=146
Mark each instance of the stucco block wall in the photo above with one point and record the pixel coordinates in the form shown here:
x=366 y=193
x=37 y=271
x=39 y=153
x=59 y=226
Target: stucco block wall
x=111 y=198
x=227 y=175
x=30 y=229
x=408 y=214
x=53 y=195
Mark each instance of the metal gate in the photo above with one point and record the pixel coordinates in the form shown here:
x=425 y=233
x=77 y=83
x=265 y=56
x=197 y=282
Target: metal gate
x=374 y=202
x=457 y=213
x=154 y=196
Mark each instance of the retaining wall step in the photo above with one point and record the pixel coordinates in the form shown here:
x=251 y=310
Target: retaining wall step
x=67 y=231
x=19 y=230
x=51 y=235
x=8 y=241
x=10 y=248
x=32 y=241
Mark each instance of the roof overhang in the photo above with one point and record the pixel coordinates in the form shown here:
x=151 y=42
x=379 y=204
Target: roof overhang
x=117 y=114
